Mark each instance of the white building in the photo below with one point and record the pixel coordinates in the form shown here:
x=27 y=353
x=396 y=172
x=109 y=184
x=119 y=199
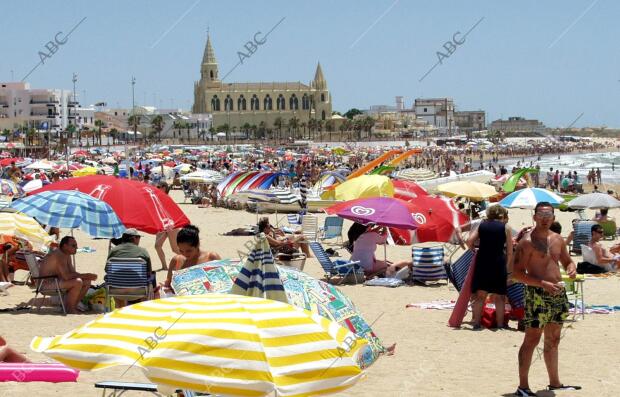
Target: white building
x=438 y=112
x=22 y=106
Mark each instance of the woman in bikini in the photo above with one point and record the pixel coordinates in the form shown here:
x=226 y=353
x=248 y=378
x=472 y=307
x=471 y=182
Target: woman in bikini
x=188 y=241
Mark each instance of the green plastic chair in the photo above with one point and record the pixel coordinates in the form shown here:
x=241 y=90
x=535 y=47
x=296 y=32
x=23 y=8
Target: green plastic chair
x=609 y=229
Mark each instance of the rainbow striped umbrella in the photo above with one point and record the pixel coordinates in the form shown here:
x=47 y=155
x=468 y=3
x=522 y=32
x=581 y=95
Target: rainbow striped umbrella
x=219 y=344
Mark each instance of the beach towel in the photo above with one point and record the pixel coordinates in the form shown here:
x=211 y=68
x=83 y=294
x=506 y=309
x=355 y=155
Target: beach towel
x=385 y=282
x=435 y=305
x=460 y=309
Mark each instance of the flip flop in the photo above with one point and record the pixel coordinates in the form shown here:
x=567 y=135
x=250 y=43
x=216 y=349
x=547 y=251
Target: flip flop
x=524 y=392
x=563 y=387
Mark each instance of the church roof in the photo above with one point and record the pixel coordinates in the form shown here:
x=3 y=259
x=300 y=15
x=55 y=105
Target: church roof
x=318 y=75
x=289 y=85
x=209 y=54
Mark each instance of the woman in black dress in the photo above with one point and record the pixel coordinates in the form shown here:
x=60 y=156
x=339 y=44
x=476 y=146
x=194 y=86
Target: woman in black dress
x=492 y=261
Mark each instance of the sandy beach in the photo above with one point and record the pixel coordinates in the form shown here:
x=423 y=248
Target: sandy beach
x=431 y=359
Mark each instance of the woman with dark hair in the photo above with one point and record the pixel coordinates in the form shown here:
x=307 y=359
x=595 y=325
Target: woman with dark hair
x=188 y=241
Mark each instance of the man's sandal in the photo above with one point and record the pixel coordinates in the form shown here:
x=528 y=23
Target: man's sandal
x=524 y=392
x=563 y=387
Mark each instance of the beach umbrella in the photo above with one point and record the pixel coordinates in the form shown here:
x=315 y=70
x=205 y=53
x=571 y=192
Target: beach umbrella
x=438 y=219
x=407 y=190
x=21 y=225
x=6 y=162
x=218 y=344
x=40 y=165
x=468 y=189
x=137 y=204
x=183 y=168
x=384 y=211
x=85 y=171
x=301 y=290
x=73 y=210
x=33 y=185
x=72 y=166
x=259 y=275
x=365 y=186
x=528 y=198
x=203 y=176
x=10 y=188
x=594 y=201
x=109 y=160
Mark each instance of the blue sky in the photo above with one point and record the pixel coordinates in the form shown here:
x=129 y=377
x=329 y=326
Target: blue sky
x=552 y=60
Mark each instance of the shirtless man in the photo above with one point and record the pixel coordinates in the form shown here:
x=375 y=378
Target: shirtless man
x=58 y=263
x=546 y=304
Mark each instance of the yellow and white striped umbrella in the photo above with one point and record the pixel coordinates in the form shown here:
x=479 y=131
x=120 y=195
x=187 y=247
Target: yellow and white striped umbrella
x=21 y=225
x=221 y=344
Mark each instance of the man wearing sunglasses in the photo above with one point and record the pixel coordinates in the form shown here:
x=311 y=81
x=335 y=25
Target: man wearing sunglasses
x=605 y=260
x=546 y=305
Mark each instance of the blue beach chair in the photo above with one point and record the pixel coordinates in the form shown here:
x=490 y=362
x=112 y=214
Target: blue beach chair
x=339 y=268
x=428 y=264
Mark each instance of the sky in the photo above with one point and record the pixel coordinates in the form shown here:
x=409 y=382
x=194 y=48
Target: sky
x=555 y=60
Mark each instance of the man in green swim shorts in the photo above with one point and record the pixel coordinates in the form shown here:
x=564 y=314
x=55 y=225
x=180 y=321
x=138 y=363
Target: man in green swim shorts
x=546 y=306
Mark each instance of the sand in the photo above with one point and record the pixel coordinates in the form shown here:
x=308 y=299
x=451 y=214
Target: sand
x=431 y=359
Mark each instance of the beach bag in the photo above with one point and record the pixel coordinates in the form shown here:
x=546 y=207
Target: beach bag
x=488 y=319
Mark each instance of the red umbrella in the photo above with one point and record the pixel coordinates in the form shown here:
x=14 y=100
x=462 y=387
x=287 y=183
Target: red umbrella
x=7 y=162
x=406 y=190
x=137 y=204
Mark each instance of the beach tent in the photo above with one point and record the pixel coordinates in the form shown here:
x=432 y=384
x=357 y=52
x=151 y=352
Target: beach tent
x=467 y=189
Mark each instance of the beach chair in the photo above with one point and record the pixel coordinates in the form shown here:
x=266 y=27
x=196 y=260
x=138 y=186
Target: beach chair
x=332 y=229
x=609 y=229
x=127 y=279
x=120 y=388
x=574 y=293
x=343 y=268
x=310 y=227
x=457 y=271
x=582 y=235
x=428 y=264
x=41 y=287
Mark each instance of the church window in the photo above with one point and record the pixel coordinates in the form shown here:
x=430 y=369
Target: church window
x=322 y=97
x=305 y=102
x=211 y=72
x=215 y=103
x=228 y=103
x=294 y=102
x=281 y=102
x=254 y=103
x=267 y=103
x=323 y=115
x=241 y=103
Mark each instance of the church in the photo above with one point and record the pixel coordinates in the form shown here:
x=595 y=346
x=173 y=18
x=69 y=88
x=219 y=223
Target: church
x=236 y=104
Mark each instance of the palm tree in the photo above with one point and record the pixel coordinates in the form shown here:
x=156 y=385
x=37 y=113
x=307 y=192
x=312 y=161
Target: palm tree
x=99 y=124
x=262 y=126
x=293 y=124
x=278 y=124
x=134 y=121
x=113 y=133
x=246 y=127
x=188 y=125
x=226 y=128
x=311 y=127
x=158 y=125
x=341 y=128
x=253 y=128
x=319 y=127
x=303 y=125
x=367 y=123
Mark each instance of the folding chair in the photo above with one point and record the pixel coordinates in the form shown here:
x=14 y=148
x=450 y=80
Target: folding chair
x=582 y=235
x=332 y=229
x=574 y=293
x=340 y=267
x=127 y=279
x=457 y=271
x=428 y=264
x=310 y=227
x=609 y=229
x=39 y=282
x=120 y=388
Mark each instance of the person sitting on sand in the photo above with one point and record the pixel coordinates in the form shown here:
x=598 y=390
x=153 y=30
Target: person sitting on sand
x=58 y=263
x=603 y=258
x=279 y=242
x=188 y=241
x=364 y=251
x=9 y=355
x=602 y=216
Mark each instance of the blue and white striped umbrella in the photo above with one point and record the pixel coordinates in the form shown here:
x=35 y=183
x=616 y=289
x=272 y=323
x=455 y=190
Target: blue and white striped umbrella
x=74 y=210
x=528 y=198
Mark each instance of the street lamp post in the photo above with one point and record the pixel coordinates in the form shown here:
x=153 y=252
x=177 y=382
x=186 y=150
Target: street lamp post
x=67 y=150
x=133 y=113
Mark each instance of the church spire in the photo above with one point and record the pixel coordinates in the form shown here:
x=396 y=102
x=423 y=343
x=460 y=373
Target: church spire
x=319 y=80
x=209 y=54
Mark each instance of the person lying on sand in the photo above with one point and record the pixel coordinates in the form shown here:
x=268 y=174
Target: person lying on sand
x=9 y=355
